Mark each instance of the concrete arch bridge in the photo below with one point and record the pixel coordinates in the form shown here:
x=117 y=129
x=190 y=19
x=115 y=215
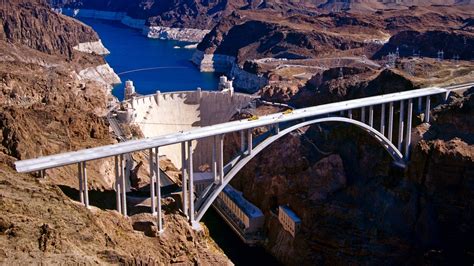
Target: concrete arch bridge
x=387 y=118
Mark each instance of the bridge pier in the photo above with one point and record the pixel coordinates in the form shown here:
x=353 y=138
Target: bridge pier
x=371 y=116
x=81 y=185
x=214 y=159
x=400 y=125
x=221 y=159
x=427 y=109
x=158 y=190
x=390 y=121
x=362 y=115
x=152 y=182
x=191 y=181
x=249 y=141
x=408 y=133
x=382 y=119
x=117 y=185
x=123 y=185
x=350 y=114
x=242 y=141
x=184 y=193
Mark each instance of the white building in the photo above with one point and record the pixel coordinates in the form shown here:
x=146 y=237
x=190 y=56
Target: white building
x=129 y=89
x=289 y=220
x=250 y=219
x=226 y=85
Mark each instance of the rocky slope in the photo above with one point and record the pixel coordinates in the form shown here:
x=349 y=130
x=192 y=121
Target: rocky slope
x=205 y=14
x=34 y=25
x=39 y=224
x=53 y=98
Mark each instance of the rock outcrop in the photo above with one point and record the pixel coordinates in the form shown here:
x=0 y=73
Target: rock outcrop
x=92 y=48
x=178 y=34
x=53 y=98
x=356 y=208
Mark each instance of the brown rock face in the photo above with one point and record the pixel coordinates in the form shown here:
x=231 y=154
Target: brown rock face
x=355 y=208
x=39 y=223
x=31 y=23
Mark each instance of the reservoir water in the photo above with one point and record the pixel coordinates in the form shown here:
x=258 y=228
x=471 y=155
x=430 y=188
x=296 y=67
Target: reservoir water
x=151 y=64
x=157 y=65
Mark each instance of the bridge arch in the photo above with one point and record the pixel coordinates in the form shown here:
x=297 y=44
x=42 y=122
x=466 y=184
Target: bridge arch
x=386 y=144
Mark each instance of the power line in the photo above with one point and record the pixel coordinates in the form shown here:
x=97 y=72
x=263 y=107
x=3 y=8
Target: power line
x=150 y=68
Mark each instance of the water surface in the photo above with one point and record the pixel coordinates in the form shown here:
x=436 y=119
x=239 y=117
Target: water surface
x=151 y=64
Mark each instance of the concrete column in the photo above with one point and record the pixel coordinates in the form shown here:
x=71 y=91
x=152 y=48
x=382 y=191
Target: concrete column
x=185 y=179
x=362 y=115
x=371 y=116
x=408 y=133
x=427 y=110
x=123 y=186
x=152 y=182
x=86 y=188
x=81 y=182
x=221 y=159
x=277 y=128
x=117 y=185
x=249 y=141
x=242 y=141
x=350 y=114
x=420 y=100
x=158 y=189
x=382 y=119
x=390 y=121
x=401 y=125
x=191 y=182
x=214 y=159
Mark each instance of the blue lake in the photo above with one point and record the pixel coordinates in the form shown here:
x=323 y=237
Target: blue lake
x=151 y=64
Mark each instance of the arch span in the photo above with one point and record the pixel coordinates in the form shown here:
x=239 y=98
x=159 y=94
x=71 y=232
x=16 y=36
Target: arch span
x=386 y=143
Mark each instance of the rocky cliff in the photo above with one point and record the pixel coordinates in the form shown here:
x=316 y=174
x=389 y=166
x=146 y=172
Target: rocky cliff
x=357 y=208
x=307 y=45
x=54 y=95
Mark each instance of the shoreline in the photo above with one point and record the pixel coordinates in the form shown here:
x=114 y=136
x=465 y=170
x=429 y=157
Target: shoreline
x=153 y=32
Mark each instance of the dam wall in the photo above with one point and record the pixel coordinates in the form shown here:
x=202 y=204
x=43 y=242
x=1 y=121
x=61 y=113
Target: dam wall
x=164 y=113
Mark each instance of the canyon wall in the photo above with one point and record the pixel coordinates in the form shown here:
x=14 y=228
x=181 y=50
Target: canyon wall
x=154 y=32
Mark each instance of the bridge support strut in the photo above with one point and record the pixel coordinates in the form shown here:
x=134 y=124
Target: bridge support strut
x=184 y=182
x=117 y=185
x=427 y=110
x=408 y=133
x=390 y=121
x=401 y=125
x=158 y=190
x=123 y=185
x=152 y=182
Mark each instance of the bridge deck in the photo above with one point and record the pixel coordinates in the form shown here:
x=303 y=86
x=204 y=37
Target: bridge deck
x=63 y=159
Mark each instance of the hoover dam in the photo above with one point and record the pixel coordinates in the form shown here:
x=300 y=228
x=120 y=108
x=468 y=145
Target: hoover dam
x=171 y=112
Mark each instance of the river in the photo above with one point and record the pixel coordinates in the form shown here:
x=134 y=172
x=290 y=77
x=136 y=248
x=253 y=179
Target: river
x=158 y=65
x=151 y=64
